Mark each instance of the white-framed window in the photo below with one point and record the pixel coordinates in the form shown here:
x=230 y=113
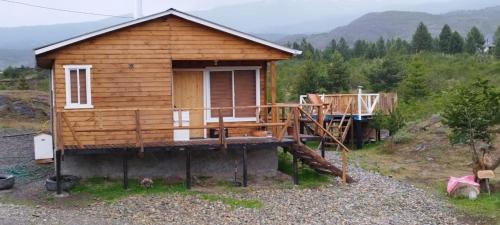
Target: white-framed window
x=77 y=82
x=232 y=87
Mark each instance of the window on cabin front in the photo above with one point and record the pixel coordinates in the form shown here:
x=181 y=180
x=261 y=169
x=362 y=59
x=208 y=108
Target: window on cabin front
x=77 y=78
x=234 y=88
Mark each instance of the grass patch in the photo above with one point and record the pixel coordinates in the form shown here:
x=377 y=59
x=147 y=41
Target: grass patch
x=111 y=189
x=308 y=178
x=232 y=202
x=484 y=206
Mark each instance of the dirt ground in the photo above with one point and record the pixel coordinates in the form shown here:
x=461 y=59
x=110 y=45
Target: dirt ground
x=428 y=158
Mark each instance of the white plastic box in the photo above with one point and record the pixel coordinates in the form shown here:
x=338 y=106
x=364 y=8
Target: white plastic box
x=43 y=147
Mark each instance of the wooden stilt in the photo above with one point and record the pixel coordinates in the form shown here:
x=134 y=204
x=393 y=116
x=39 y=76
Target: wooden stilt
x=344 y=166
x=359 y=134
x=322 y=148
x=58 y=172
x=295 y=174
x=245 y=175
x=125 y=172
x=188 y=169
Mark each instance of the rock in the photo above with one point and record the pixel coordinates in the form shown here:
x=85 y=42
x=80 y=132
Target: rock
x=5 y=100
x=435 y=118
x=395 y=168
x=147 y=183
x=465 y=191
x=23 y=109
x=420 y=147
x=429 y=158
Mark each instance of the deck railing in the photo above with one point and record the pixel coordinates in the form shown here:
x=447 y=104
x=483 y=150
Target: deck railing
x=365 y=104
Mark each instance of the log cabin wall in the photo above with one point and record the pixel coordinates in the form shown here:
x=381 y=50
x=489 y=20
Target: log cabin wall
x=132 y=67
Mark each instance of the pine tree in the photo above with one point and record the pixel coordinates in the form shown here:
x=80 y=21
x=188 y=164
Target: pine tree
x=456 y=43
x=386 y=75
x=445 y=39
x=23 y=84
x=475 y=41
x=337 y=78
x=422 y=39
x=371 y=51
x=496 y=50
x=343 y=48
x=414 y=85
x=359 y=49
x=380 y=47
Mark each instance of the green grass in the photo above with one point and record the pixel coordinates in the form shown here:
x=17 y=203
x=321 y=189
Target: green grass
x=232 y=202
x=109 y=190
x=308 y=178
x=484 y=206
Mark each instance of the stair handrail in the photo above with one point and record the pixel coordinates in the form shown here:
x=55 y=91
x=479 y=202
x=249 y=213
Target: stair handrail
x=345 y=113
x=324 y=130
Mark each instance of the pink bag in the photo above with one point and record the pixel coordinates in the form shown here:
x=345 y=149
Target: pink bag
x=456 y=181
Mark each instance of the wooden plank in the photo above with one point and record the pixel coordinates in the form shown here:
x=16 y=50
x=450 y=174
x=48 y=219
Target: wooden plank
x=70 y=127
x=324 y=130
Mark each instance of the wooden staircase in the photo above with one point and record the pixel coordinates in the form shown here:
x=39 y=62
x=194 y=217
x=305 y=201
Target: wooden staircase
x=311 y=158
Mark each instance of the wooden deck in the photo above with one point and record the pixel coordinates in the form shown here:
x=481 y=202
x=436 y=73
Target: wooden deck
x=209 y=144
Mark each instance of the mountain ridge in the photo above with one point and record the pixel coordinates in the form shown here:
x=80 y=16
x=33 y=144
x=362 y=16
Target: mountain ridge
x=402 y=24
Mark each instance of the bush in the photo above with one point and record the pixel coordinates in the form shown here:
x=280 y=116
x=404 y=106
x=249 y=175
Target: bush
x=402 y=137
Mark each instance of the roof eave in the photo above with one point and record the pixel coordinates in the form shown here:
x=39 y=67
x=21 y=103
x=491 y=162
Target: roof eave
x=60 y=44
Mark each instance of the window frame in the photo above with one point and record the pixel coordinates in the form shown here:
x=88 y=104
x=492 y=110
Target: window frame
x=67 y=80
x=207 y=96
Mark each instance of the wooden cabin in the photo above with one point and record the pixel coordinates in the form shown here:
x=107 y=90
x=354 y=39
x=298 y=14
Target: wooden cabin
x=172 y=93
x=169 y=60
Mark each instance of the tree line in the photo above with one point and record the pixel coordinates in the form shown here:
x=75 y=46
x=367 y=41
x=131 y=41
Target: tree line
x=380 y=66
x=447 y=42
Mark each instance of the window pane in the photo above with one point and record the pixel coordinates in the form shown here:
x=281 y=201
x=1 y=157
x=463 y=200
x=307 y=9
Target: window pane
x=83 y=86
x=244 y=90
x=73 y=79
x=221 y=92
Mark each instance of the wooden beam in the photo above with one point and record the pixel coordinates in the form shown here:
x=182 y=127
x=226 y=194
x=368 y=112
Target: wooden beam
x=285 y=127
x=324 y=130
x=59 y=132
x=73 y=133
x=274 y=112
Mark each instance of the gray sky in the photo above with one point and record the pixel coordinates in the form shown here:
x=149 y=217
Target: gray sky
x=20 y=15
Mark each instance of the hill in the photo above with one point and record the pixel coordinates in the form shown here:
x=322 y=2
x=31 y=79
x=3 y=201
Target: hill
x=17 y=43
x=393 y=24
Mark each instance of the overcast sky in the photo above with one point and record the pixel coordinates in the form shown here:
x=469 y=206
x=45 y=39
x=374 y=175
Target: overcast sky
x=21 y=15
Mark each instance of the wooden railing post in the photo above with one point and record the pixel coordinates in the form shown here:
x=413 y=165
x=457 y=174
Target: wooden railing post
x=320 y=120
x=222 y=134
x=274 y=112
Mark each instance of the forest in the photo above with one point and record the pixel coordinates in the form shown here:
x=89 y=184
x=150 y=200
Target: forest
x=422 y=71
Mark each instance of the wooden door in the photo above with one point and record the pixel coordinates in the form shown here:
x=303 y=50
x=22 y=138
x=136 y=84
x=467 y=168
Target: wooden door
x=188 y=93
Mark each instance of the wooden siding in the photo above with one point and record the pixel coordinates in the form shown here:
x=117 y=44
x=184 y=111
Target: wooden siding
x=132 y=67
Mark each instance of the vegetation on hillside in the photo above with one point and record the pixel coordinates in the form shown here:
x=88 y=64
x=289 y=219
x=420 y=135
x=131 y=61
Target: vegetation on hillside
x=421 y=71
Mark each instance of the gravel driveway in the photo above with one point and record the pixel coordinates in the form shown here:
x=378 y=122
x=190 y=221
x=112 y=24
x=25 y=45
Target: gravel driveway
x=374 y=199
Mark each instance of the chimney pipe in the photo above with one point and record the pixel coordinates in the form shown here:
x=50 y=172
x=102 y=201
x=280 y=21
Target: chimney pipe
x=138 y=9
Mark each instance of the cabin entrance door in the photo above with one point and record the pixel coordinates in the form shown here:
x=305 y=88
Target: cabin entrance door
x=188 y=93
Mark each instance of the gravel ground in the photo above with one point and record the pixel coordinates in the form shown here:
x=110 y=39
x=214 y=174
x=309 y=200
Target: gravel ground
x=373 y=199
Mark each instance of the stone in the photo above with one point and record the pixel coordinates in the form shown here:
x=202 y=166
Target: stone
x=435 y=118
x=5 y=100
x=420 y=147
x=23 y=109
